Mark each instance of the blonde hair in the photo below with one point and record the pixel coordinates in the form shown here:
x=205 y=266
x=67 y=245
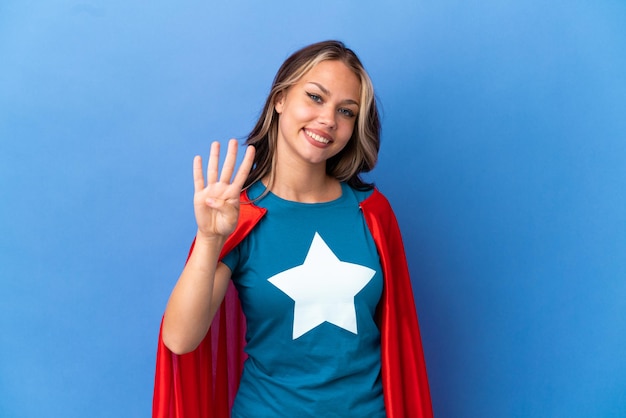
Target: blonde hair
x=361 y=152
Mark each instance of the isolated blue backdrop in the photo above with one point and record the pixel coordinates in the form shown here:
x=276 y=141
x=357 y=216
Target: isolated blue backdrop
x=504 y=155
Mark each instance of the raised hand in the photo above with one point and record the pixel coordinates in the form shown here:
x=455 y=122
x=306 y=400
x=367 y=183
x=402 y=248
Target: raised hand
x=216 y=202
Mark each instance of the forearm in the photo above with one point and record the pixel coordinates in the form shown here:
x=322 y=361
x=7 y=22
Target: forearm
x=202 y=285
x=189 y=311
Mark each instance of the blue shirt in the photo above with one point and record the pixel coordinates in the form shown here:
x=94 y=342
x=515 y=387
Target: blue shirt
x=309 y=281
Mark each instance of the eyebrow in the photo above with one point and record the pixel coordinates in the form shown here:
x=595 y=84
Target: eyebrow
x=326 y=92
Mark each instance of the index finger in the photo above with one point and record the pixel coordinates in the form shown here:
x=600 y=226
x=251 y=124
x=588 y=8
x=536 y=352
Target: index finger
x=244 y=168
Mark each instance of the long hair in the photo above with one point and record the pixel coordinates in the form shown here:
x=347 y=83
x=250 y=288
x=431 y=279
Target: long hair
x=361 y=152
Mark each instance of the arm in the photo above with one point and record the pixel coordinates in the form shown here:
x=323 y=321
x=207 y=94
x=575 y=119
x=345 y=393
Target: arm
x=202 y=285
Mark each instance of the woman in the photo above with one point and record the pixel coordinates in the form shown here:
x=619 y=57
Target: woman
x=316 y=258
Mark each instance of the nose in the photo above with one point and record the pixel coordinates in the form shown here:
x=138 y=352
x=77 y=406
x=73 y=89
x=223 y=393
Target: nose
x=328 y=117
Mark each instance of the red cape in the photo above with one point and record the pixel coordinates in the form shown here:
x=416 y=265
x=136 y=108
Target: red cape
x=203 y=383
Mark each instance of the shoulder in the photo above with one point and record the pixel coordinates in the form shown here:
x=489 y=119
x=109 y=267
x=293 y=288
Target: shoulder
x=378 y=212
x=376 y=201
x=360 y=195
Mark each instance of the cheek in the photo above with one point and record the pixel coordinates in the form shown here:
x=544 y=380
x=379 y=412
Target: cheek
x=294 y=117
x=347 y=129
x=303 y=112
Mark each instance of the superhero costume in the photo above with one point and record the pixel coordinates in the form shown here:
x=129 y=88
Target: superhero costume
x=203 y=383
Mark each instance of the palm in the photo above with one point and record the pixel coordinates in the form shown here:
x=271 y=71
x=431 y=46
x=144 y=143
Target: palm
x=216 y=201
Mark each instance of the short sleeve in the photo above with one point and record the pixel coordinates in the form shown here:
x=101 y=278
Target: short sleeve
x=232 y=259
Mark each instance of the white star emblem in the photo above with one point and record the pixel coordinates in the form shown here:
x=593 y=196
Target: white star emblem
x=323 y=289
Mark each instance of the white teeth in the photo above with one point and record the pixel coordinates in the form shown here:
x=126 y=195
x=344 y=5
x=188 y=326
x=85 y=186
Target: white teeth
x=317 y=138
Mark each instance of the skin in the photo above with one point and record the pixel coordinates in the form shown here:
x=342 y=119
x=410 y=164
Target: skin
x=316 y=120
x=323 y=104
x=216 y=207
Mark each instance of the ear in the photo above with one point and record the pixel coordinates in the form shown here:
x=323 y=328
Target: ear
x=279 y=102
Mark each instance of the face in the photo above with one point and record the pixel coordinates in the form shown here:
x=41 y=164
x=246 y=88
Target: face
x=317 y=114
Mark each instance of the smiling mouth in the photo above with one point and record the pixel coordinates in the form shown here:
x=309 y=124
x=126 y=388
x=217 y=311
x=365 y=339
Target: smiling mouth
x=317 y=138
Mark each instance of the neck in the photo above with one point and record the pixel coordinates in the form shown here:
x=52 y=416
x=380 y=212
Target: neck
x=308 y=184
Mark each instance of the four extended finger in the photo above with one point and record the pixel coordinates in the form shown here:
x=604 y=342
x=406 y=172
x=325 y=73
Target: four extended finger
x=198 y=177
x=229 y=162
x=214 y=162
x=245 y=167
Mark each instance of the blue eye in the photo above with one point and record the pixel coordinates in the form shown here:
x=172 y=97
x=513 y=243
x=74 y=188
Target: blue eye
x=346 y=112
x=315 y=97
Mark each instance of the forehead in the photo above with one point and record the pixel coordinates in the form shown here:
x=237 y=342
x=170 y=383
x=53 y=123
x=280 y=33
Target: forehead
x=336 y=77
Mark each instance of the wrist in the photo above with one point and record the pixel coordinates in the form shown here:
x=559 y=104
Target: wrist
x=210 y=240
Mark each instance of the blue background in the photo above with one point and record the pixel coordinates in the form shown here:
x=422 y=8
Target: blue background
x=504 y=156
